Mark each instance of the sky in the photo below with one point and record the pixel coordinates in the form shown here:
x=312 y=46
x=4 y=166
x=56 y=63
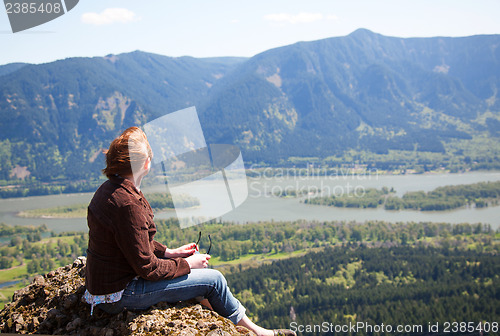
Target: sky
x=210 y=28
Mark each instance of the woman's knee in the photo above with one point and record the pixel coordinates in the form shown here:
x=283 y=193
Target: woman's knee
x=210 y=278
x=217 y=277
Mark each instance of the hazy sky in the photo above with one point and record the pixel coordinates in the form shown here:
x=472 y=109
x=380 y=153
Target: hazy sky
x=205 y=28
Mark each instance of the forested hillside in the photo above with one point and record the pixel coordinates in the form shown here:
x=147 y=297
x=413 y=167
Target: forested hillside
x=363 y=93
x=57 y=117
x=409 y=287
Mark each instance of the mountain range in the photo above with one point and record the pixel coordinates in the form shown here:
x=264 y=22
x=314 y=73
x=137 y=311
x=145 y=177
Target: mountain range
x=364 y=91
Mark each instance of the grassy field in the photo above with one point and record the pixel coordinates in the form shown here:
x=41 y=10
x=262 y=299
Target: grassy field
x=71 y=211
x=16 y=273
x=256 y=260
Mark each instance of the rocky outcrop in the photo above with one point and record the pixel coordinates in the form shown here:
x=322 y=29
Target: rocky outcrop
x=52 y=304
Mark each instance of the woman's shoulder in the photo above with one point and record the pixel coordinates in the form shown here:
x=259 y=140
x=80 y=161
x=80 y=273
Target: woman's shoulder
x=120 y=190
x=111 y=194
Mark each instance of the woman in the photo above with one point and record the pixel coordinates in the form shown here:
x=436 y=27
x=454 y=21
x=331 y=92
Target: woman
x=126 y=267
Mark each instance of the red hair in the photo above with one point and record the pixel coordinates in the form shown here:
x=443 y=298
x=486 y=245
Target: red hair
x=132 y=142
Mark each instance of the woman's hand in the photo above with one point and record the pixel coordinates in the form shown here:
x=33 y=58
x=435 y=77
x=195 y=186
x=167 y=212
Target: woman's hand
x=183 y=251
x=198 y=260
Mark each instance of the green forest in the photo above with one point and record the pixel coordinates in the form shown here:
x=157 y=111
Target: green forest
x=298 y=273
x=33 y=187
x=396 y=286
x=478 y=195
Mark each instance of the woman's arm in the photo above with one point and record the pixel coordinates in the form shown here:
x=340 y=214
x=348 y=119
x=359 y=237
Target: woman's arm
x=188 y=252
x=184 y=251
x=198 y=260
x=134 y=239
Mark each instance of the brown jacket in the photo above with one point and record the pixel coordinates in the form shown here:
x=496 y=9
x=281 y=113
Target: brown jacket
x=121 y=245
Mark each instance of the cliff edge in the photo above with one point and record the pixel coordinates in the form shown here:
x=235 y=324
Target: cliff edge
x=52 y=304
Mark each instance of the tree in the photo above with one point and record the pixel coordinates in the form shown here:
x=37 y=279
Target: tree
x=6 y=262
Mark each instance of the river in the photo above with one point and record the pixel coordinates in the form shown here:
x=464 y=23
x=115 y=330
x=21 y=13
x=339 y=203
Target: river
x=261 y=206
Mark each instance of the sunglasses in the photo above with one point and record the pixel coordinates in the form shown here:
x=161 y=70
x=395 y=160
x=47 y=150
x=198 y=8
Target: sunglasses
x=209 y=238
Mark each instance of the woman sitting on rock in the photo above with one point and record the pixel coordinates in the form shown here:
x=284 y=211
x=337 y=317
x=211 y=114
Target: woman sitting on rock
x=126 y=267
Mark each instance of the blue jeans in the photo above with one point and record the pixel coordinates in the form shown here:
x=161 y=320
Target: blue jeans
x=208 y=283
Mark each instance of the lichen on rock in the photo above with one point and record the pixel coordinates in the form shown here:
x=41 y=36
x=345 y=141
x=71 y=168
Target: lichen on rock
x=52 y=304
